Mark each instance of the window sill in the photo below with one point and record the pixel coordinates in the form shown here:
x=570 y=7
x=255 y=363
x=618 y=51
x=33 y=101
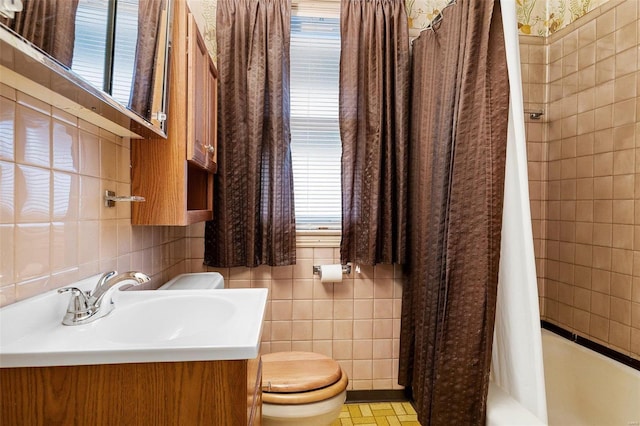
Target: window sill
x=318 y=238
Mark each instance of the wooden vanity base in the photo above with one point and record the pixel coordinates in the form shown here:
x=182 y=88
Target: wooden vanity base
x=168 y=393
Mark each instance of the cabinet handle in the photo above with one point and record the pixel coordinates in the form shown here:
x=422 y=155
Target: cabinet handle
x=210 y=149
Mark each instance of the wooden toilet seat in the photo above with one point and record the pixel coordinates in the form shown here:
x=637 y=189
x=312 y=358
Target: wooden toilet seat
x=300 y=378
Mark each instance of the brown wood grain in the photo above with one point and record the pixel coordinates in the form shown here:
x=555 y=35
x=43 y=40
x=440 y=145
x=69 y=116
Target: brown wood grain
x=159 y=166
x=170 y=393
x=212 y=103
x=254 y=392
x=298 y=371
x=307 y=397
x=197 y=81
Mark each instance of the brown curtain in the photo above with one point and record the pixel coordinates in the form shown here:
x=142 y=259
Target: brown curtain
x=149 y=12
x=457 y=151
x=49 y=24
x=254 y=220
x=374 y=127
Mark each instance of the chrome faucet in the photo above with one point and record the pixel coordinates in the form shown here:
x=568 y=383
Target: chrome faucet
x=85 y=307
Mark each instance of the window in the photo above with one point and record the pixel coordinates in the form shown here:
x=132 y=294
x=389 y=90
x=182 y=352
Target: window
x=315 y=133
x=124 y=54
x=91 y=56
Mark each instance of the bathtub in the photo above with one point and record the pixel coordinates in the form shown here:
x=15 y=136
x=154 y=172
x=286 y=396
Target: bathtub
x=583 y=388
x=586 y=388
x=502 y=410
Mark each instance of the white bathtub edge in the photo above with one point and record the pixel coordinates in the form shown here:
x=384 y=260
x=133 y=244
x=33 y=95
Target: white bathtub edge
x=502 y=410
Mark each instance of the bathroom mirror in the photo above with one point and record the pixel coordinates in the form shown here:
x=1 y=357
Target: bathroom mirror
x=108 y=57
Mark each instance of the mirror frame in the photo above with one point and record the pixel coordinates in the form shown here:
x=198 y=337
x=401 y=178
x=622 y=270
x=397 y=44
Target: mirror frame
x=34 y=72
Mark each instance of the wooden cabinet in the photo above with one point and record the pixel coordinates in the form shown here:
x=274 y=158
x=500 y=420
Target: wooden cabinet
x=254 y=391
x=202 y=111
x=219 y=393
x=175 y=175
x=212 y=93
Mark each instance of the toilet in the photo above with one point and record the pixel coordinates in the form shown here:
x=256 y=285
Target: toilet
x=195 y=281
x=298 y=388
x=301 y=388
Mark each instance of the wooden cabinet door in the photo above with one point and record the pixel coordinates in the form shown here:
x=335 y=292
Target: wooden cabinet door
x=212 y=128
x=197 y=108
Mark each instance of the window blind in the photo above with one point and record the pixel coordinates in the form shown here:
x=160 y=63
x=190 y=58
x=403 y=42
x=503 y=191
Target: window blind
x=90 y=45
x=124 y=56
x=315 y=134
x=91 y=41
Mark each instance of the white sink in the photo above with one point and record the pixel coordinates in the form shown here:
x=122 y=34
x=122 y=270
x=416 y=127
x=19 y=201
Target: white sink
x=145 y=326
x=167 y=318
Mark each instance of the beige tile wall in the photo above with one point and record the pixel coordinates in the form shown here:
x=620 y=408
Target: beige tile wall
x=54 y=228
x=584 y=164
x=357 y=321
x=532 y=57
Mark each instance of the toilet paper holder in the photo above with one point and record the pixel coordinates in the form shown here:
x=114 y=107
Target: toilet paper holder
x=346 y=269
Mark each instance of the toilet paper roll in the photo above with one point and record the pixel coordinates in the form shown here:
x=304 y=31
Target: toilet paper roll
x=331 y=273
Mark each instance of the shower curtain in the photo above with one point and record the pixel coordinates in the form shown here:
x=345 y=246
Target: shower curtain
x=457 y=151
x=517 y=349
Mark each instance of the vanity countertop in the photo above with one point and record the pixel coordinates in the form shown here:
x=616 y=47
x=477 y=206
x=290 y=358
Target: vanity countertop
x=145 y=326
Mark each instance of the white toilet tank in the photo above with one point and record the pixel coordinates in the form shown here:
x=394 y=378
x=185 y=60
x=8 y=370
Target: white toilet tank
x=195 y=281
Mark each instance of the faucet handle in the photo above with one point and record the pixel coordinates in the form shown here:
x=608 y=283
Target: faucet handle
x=79 y=307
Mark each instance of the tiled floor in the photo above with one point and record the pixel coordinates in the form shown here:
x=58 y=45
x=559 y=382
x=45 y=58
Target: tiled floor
x=378 y=414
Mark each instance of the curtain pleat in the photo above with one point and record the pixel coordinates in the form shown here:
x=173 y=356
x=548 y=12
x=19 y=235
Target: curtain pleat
x=374 y=127
x=149 y=12
x=254 y=220
x=457 y=151
x=48 y=24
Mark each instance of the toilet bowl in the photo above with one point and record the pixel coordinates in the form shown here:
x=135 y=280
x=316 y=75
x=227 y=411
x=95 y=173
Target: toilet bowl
x=298 y=388
x=301 y=388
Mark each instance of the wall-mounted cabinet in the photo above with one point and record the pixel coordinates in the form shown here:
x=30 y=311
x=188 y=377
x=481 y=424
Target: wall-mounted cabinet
x=175 y=175
x=202 y=108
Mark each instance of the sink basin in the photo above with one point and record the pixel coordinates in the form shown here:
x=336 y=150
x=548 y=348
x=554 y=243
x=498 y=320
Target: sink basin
x=167 y=319
x=145 y=326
